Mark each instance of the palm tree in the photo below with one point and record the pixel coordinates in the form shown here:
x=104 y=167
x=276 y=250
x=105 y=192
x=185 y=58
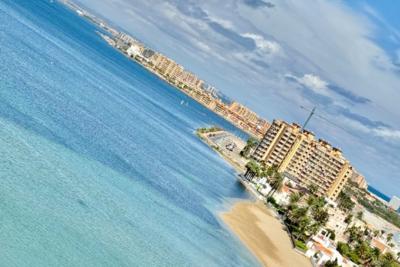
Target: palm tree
x=320 y=216
x=331 y=263
x=252 y=169
x=348 y=220
x=272 y=170
x=387 y=259
x=364 y=251
x=389 y=237
x=355 y=234
x=277 y=183
x=313 y=189
x=315 y=202
x=376 y=233
x=376 y=253
x=251 y=143
x=294 y=198
x=263 y=171
x=345 y=202
x=300 y=226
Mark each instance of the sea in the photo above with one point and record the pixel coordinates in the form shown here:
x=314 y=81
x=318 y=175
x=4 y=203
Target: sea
x=99 y=162
x=378 y=193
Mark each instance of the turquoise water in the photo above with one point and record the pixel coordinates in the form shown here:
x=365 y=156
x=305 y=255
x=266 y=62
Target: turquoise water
x=378 y=193
x=99 y=165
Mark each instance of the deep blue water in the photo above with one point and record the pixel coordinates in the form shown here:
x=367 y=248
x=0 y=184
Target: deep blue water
x=378 y=193
x=99 y=165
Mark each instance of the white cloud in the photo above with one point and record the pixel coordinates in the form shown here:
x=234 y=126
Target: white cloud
x=314 y=82
x=335 y=43
x=323 y=42
x=387 y=133
x=262 y=44
x=224 y=22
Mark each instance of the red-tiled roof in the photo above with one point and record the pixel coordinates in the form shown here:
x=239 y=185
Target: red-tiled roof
x=379 y=244
x=323 y=249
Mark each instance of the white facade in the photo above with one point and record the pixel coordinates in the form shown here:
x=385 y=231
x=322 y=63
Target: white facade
x=133 y=51
x=321 y=249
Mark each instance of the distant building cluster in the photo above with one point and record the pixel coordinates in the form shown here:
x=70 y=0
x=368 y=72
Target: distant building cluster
x=189 y=83
x=304 y=159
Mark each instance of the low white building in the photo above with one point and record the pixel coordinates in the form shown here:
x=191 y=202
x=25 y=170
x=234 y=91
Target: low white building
x=282 y=197
x=133 y=51
x=321 y=250
x=262 y=186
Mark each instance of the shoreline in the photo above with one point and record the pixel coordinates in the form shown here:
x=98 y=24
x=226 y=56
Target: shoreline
x=204 y=137
x=263 y=234
x=255 y=224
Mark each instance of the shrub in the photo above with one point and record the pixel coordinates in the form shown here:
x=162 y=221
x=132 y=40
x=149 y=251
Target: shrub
x=300 y=245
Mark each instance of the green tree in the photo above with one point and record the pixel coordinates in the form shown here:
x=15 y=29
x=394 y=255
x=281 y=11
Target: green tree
x=348 y=219
x=360 y=215
x=315 y=202
x=332 y=234
x=376 y=253
x=388 y=260
x=252 y=169
x=276 y=183
x=320 y=216
x=355 y=234
x=364 y=251
x=375 y=233
x=343 y=248
x=272 y=170
x=294 y=198
x=389 y=237
x=298 y=221
x=344 y=202
x=331 y=264
x=251 y=143
x=313 y=189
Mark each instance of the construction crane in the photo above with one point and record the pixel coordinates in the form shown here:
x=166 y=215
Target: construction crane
x=313 y=113
x=309 y=117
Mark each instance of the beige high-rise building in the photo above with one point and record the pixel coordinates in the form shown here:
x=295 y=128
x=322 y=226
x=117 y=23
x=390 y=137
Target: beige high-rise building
x=243 y=112
x=189 y=79
x=173 y=70
x=301 y=157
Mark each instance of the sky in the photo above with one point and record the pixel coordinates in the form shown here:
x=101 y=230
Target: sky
x=283 y=57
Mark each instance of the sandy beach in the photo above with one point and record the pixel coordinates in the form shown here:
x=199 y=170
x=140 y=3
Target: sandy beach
x=263 y=234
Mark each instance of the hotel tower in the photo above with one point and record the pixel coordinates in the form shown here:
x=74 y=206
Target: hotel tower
x=302 y=158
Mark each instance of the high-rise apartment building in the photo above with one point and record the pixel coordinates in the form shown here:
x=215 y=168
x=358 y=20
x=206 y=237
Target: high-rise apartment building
x=244 y=112
x=301 y=157
x=190 y=80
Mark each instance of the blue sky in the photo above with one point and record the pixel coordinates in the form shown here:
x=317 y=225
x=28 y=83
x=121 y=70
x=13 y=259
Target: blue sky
x=275 y=56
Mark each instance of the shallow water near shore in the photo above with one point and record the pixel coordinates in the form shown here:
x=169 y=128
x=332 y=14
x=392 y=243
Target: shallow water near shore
x=264 y=234
x=99 y=164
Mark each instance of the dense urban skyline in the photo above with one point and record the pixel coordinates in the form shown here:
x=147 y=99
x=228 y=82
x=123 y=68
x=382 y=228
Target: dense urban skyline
x=335 y=62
